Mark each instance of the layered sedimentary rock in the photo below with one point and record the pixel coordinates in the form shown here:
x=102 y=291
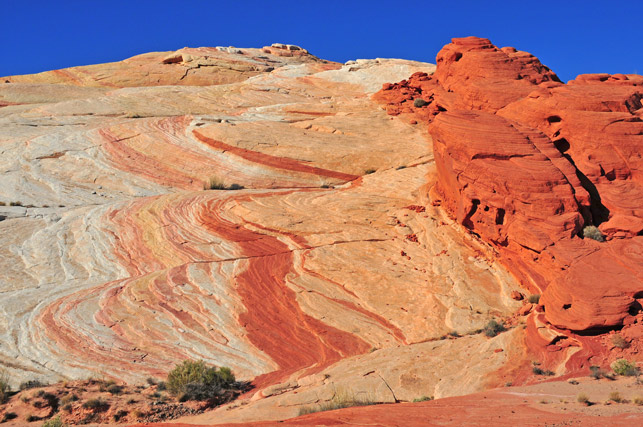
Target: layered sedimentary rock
x=118 y=260
x=527 y=162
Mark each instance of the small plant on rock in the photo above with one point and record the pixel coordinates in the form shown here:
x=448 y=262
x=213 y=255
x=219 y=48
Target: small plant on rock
x=638 y=400
x=493 y=328
x=592 y=232
x=423 y=399
x=419 y=103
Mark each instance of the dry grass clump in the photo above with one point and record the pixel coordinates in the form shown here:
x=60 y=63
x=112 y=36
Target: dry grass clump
x=217 y=184
x=534 y=299
x=582 y=398
x=493 y=328
x=615 y=396
x=619 y=342
x=340 y=400
x=4 y=386
x=592 y=232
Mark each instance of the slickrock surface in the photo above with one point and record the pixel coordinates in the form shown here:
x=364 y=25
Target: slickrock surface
x=526 y=162
x=325 y=266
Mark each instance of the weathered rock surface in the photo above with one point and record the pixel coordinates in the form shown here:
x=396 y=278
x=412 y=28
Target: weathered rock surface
x=527 y=162
x=119 y=264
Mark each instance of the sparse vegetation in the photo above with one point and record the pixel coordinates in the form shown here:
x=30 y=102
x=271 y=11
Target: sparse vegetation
x=400 y=167
x=151 y=381
x=217 y=184
x=96 y=404
x=534 y=299
x=638 y=400
x=4 y=386
x=493 y=328
x=597 y=373
x=15 y=204
x=615 y=396
x=624 y=367
x=619 y=342
x=419 y=103
x=538 y=371
x=8 y=416
x=582 y=398
x=423 y=399
x=195 y=380
x=32 y=384
x=340 y=400
x=369 y=171
x=31 y=418
x=54 y=422
x=115 y=389
x=592 y=232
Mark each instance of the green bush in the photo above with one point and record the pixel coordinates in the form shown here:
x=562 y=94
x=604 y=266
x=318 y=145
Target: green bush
x=423 y=399
x=419 y=103
x=195 y=380
x=592 y=232
x=597 y=373
x=625 y=368
x=493 y=328
x=54 y=422
x=536 y=370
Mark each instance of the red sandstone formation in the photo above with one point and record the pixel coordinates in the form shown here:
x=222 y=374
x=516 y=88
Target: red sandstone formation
x=526 y=162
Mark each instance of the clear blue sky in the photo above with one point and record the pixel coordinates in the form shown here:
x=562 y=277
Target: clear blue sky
x=571 y=37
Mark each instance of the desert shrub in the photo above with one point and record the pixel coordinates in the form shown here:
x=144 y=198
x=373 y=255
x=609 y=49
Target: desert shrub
x=217 y=184
x=15 y=204
x=536 y=370
x=4 y=386
x=534 y=299
x=68 y=399
x=340 y=400
x=195 y=380
x=161 y=386
x=423 y=399
x=32 y=384
x=115 y=389
x=582 y=398
x=615 y=396
x=120 y=414
x=400 y=167
x=54 y=422
x=592 y=232
x=419 y=103
x=493 y=328
x=638 y=400
x=597 y=373
x=31 y=418
x=8 y=416
x=151 y=381
x=619 y=342
x=369 y=171
x=97 y=403
x=625 y=368
x=67 y=407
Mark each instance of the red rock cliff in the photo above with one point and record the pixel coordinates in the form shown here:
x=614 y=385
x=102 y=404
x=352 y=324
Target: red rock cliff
x=526 y=162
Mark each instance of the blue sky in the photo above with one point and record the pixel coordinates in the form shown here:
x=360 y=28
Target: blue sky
x=571 y=37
